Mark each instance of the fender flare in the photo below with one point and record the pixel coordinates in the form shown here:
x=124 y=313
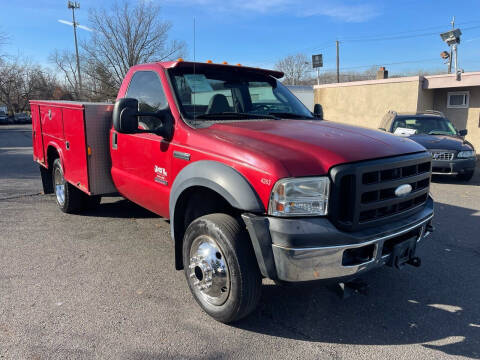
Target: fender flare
x=59 y=150
x=46 y=168
x=221 y=178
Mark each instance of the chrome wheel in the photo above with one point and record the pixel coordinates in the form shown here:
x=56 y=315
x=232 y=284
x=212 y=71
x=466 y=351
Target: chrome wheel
x=59 y=186
x=208 y=271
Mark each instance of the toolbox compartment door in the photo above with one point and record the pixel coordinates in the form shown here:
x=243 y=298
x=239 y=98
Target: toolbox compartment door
x=37 y=140
x=51 y=121
x=75 y=155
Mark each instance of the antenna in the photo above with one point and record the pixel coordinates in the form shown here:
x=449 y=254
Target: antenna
x=193 y=90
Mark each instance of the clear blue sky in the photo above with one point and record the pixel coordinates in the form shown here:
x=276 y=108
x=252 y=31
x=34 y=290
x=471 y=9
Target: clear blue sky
x=259 y=32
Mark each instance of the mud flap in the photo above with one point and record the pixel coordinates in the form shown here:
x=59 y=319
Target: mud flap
x=47 y=181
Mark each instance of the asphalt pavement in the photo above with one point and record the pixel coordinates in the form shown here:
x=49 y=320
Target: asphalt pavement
x=102 y=285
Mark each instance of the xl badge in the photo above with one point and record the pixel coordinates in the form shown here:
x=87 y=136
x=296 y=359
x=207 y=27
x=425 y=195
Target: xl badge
x=403 y=190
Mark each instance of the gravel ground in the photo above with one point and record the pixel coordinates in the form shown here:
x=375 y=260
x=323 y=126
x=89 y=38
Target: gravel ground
x=103 y=285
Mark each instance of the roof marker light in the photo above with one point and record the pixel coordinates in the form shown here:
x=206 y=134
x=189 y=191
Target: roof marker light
x=239 y=64
x=209 y=61
x=180 y=60
x=225 y=63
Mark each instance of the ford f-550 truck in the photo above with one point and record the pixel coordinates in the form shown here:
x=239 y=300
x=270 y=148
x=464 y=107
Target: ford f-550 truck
x=253 y=184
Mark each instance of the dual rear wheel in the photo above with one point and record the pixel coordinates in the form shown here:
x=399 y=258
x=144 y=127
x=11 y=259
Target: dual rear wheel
x=69 y=198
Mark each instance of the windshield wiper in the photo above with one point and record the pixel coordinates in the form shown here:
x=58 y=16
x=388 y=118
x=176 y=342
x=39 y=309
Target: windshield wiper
x=286 y=115
x=439 y=132
x=236 y=115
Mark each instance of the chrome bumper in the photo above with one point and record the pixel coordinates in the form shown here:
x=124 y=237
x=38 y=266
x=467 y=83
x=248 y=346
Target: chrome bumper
x=314 y=263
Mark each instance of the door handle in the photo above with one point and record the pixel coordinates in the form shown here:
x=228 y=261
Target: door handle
x=114 y=140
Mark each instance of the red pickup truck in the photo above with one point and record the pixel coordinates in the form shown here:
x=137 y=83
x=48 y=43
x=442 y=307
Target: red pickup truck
x=254 y=185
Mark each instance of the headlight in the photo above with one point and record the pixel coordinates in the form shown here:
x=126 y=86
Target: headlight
x=466 y=154
x=300 y=197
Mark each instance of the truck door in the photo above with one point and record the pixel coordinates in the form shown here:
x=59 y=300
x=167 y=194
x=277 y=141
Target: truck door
x=141 y=162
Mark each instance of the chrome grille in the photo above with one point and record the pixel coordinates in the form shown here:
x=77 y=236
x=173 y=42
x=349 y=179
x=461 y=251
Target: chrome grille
x=442 y=155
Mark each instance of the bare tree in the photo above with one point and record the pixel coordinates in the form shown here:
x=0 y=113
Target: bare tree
x=20 y=81
x=295 y=67
x=65 y=61
x=126 y=36
x=4 y=38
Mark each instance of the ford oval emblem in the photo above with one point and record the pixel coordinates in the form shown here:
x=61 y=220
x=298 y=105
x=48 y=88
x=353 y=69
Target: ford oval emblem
x=403 y=190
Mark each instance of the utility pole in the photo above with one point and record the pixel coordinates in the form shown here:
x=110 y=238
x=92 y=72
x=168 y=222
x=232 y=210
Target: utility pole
x=451 y=51
x=338 y=61
x=455 y=49
x=76 y=5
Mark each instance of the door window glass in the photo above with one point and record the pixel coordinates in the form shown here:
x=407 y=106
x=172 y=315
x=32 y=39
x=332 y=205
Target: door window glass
x=146 y=87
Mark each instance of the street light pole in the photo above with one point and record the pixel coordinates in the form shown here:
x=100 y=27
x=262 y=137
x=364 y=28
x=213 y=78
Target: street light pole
x=451 y=51
x=76 y=5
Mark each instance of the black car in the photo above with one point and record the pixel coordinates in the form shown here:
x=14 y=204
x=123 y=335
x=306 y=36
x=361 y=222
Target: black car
x=3 y=118
x=451 y=153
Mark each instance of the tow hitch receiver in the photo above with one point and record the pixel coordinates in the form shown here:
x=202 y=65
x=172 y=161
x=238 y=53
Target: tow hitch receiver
x=404 y=253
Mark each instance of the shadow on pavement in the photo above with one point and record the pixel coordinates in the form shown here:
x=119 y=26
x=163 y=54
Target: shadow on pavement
x=121 y=208
x=435 y=305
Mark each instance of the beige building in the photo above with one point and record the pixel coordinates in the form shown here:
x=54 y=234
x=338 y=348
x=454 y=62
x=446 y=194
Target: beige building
x=364 y=103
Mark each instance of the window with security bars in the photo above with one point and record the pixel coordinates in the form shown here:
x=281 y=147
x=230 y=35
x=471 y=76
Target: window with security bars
x=458 y=99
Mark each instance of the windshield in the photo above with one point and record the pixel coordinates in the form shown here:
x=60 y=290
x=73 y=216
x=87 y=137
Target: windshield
x=212 y=95
x=423 y=125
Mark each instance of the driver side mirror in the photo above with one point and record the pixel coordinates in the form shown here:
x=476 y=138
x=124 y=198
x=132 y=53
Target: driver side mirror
x=318 y=111
x=462 y=132
x=125 y=119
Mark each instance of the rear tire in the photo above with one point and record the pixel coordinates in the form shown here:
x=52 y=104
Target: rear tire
x=69 y=198
x=221 y=267
x=467 y=176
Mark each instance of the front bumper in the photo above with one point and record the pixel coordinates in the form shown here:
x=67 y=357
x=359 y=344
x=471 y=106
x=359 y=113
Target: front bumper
x=306 y=249
x=453 y=167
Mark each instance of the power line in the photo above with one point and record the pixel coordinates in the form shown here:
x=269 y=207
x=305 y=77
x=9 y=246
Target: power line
x=393 y=36
x=397 y=37
x=413 y=32
x=380 y=63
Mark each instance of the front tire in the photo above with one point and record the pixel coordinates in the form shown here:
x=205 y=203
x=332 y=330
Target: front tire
x=221 y=268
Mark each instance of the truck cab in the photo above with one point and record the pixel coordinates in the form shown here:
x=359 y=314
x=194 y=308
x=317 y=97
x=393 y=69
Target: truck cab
x=253 y=184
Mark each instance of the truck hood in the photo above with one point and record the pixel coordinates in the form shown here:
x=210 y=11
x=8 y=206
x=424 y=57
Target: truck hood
x=306 y=147
x=442 y=142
